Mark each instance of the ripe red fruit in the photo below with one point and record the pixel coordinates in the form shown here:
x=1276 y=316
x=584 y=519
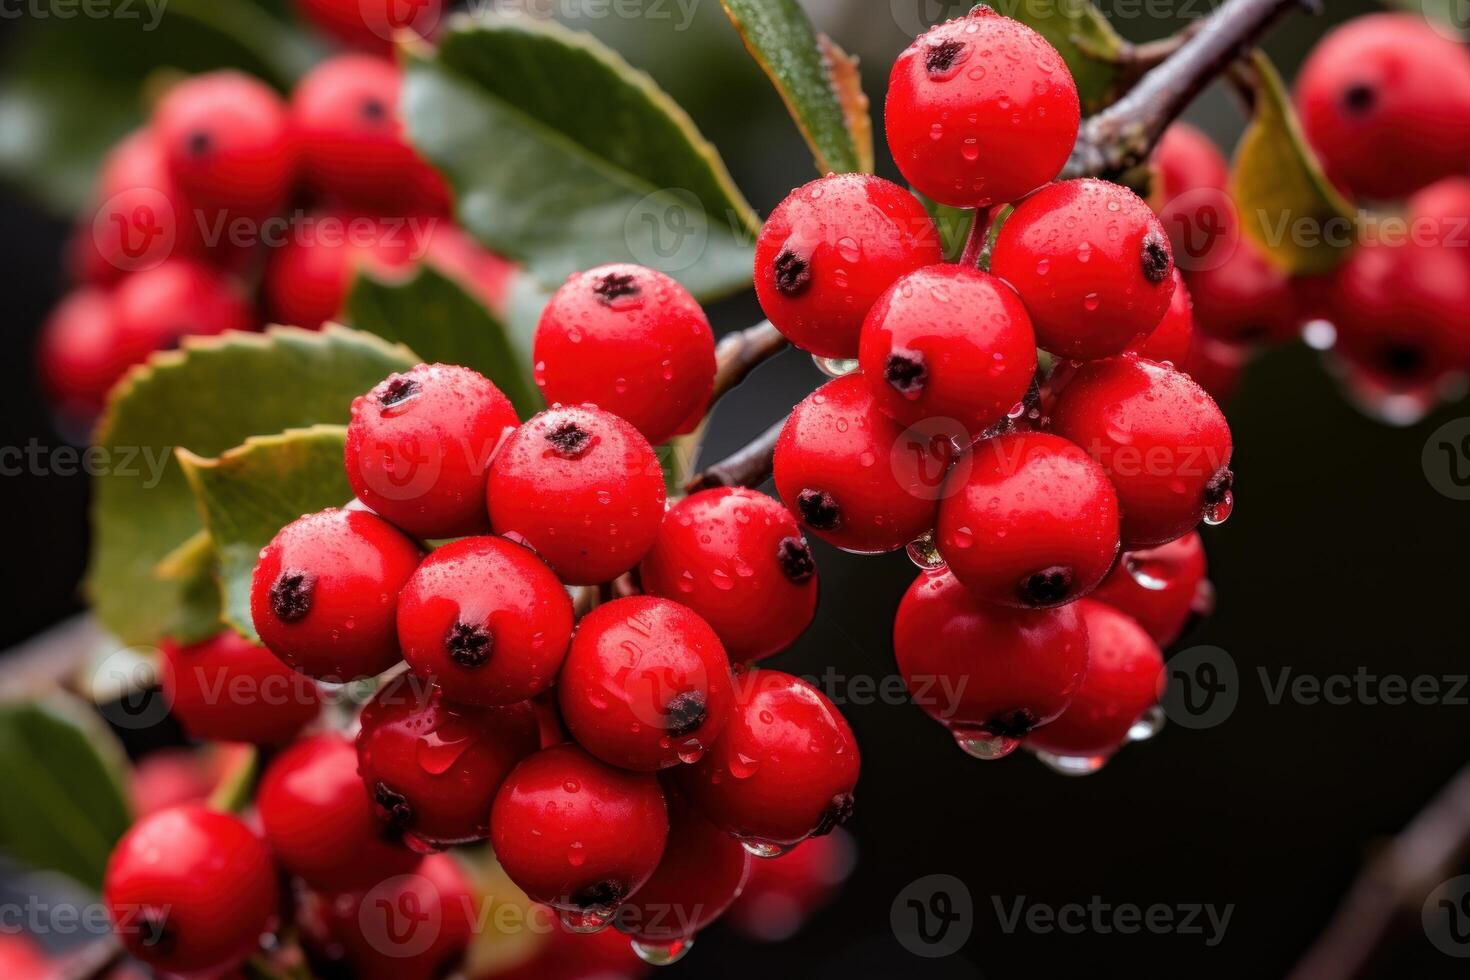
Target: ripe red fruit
x=583 y=488
x=371 y=26
x=980 y=111
x=853 y=476
x=1215 y=366
x=172 y=777
x=78 y=354
x=1169 y=341
x=352 y=142
x=325 y=593
x=1387 y=81
x=782 y=892
x=307 y=278
x=432 y=768
x=631 y=341
x=1092 y=265
x=1158 y=587
x=157 y=308
x=1031 y=521
x=190 y=890
x=646 y=684
x=419 y=448
x=21 y=959
x=319 y=821
x=1441 y=213
x=737 y=559
x=140 y=216
x=486 y=620
x=990 y=674
x=948 y=342
x=1189 y=194
x=1160 y=438
x=831 y=249
x=228 y=689
x=1124 y=671
x=229 y=144
x=1245 y=300
x=784 y=768
x=577 y=834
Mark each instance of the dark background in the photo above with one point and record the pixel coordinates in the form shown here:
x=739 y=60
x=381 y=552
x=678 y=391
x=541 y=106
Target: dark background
x=1340 y=556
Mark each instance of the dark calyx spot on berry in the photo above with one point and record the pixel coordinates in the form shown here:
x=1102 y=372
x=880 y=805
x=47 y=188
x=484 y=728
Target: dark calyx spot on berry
x=1046 y=587
x=792 y=273
x=1359 y=99
x=374 y=109
x=795 y=557
x=838 y=813
x=942 y=57
x=906 y=372
x=614 y=286
x=199 y=143
x=569 y=440
x=599 y=895
x=1219 y=487
x=1156 y=260
x=397 y=391
x=684 y=713
x=1012 y=724
x=1402 y=360
x=291 y=595
x=393 y=806
x=819 y=510
x=469 y=645
x=154 y=932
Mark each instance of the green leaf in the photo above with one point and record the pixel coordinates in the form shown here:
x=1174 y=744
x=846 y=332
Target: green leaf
x=235 y=786
x=564 y=157
x=206 y=398
x=248 y=493
x=435 y=316
x=1448 y=16
x=816 y=79
x=1280 y=190
x=954 y=225
x=1086 y=41
x=65 y=801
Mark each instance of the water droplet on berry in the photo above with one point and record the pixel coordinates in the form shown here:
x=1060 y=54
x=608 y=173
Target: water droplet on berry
x=978 y=745
x=662 y=954
x=764 y=848
x=576 y=854
x=1073 y=765
x=1149 y=724
x=586 y=922
x=1219 y=511
x=923 y=551
x=835 y=367
x=1091 y=302
x=1143 y=574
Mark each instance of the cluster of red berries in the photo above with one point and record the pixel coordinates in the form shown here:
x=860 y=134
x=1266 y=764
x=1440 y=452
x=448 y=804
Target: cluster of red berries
x=233 y=207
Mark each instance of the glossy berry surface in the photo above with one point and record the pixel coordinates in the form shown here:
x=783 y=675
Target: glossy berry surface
x=784 y=768
x=646 y=684
x=319 y=822
x=1170 y=340
x=948 y=342
x=190 y=890
x=1245 y=299
x=736 y=557
x=576 y=833
x=1092 y=265
x=981 y=110
x=1029 y=519
x=432 y=768
x=631 y=341
x=781 y=893
x=419 y=448
x=1124 y=672
x=228 y=689
x=831 y=249
x=324 y=595
x=852 y=476
x=1385 y=101
x=583 y=488
x=1159 y=587
x=157 y=308
x=1160 y=438
x=486 y=620
x=307 y=278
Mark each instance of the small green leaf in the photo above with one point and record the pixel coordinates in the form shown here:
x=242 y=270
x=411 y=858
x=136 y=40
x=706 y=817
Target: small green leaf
x=564 y=157
x=248 y=493
x=816 y=79
x=954 y=225
x=235 y=786
x=206 y=398
x=1287 y=206
x=65 y=797
x=1085 y=40
x=435 y=316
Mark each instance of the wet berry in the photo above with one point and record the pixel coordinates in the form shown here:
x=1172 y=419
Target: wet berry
x=1159 y=587
x=1245 y=300
x=157 y=308
x=1170 y=340
x=228 y=689
x=783 y=892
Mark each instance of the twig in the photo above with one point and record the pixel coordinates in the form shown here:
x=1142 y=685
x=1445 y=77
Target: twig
x=747 y=467
x=740 y=353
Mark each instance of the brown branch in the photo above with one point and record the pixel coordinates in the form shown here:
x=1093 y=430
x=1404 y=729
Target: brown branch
x=741 y=352
x=747 y=467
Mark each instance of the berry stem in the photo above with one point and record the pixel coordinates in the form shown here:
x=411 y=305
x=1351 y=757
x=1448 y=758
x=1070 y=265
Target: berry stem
x=977 y=239
x=742 y=352
x=747 y=467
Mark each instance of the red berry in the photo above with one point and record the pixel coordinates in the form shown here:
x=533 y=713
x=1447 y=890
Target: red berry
x=1215 y=366
x=228 y=689
x=631 y=341
x=307 y=278
x=831 y=249
x=432 y=768
x=486 y=620
x=352 y=142
x=155 y=309
x=21 y=959
x=190 y=890
x=990 y=674
x=1441 y=213
x=1160 y=438
x=646 y=684
x=78 y=352
x=980 y=111
x=1245 y=300
x=782 y=892
x=1029 y=520
x=577 y=834
x=784 y=768
x=319 y=820
x=1169 y=341
x=951 y=342
x=737 y=559
x=1124 y=671
x=1092 y=265
x=325 y=593
x=141 y=215
x=1189 y=194
x=1159 y=587
x=371 y=26
x=583 y=488
x=1385 y=100
x=229 y=143
x=419 y=448
x=173 y=777
x=853 y=476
